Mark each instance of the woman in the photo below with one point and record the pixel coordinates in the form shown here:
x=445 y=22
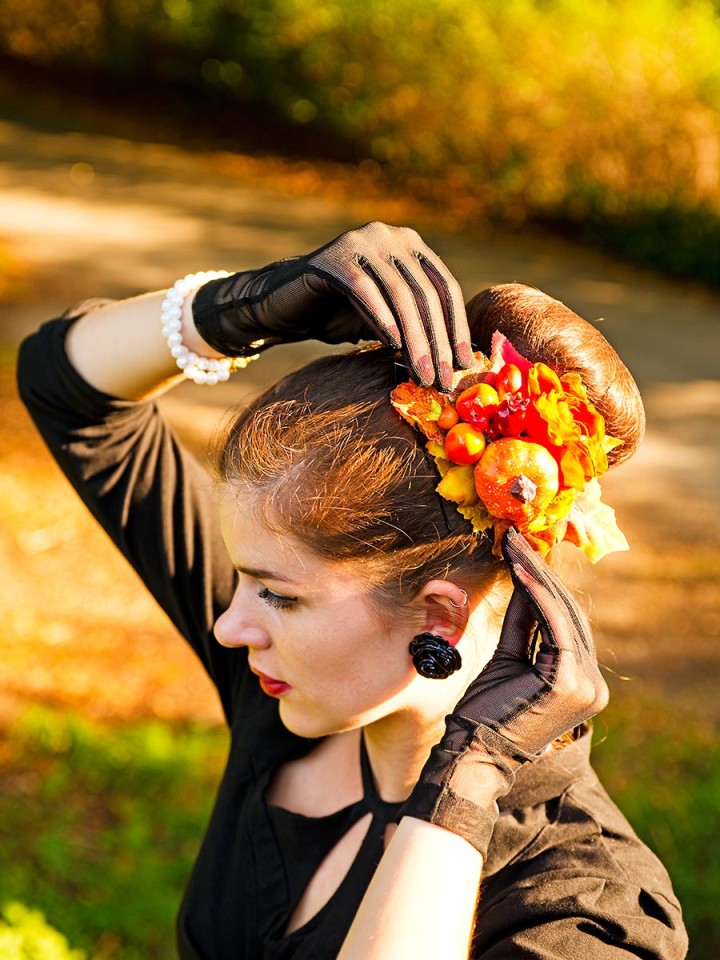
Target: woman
x=392 y=742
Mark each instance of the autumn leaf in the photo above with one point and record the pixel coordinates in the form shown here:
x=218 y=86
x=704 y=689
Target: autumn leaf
x=478 y=516
x=420 y=406
x=436 y=450
x=592 y=526
x=502 y=352
x=542 y=379
x=609 y=443
x=555 y=512
x=572 y=384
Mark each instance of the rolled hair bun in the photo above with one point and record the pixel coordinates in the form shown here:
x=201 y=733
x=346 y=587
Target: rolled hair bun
x=545 y=330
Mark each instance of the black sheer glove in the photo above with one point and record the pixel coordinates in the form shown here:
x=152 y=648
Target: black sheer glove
x=373 y=283
x=528 y=695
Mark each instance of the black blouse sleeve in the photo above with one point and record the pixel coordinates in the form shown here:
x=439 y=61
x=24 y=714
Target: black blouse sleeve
x=578 y=885
x=149 y=494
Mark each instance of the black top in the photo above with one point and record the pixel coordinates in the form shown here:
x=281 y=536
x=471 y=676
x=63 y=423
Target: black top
x=565 y=877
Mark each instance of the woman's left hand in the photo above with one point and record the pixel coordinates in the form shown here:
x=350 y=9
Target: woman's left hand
x=521 y=701
x=533 y=696
x=376 y=282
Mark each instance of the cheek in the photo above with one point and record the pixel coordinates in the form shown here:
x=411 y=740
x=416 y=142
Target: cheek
x=372 y=664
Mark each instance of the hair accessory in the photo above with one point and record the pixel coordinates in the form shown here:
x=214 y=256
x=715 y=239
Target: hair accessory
x=433 y=656
x=459 y=606
x=209 y=370
x=518 y=445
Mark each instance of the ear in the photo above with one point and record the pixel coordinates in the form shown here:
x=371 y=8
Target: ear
x=445 y=608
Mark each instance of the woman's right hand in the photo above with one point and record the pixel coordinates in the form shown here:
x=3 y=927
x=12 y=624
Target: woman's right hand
x=524 y=698
x=375 y=282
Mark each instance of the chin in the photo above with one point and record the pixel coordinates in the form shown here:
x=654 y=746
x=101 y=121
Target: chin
x=313 y=727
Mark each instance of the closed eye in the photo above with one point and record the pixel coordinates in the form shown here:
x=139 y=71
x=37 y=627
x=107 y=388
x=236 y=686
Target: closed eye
x=276 y=599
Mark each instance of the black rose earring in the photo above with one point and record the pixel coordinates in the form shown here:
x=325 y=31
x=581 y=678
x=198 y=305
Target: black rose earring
x=433 y=656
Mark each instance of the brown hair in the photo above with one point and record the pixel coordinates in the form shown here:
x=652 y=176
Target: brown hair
x=544 y=329
x=327 y=458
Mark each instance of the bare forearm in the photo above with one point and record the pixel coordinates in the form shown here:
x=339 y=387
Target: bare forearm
x=421 y=902
x=120 y=348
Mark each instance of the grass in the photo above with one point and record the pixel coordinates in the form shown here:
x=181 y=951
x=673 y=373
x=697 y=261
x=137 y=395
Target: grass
x=101 y=825
x=664 y=773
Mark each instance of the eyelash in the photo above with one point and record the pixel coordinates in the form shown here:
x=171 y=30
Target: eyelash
x=276 y=599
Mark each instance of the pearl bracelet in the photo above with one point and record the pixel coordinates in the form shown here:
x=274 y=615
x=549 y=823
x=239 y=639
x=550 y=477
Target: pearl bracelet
x=208 y=370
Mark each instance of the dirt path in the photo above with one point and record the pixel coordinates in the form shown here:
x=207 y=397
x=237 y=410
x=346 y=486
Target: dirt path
x=100 y=216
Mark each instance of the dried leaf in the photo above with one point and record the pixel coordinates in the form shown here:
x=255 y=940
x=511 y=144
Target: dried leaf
x=592 y=525
x=477 y=373
x=478 y=516
x=502 y=352
x=420 y=406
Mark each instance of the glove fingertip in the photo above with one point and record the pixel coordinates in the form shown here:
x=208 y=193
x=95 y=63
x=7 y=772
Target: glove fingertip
x=465 y=356
x=393 y=337
x=512 y=545
x=518 y=552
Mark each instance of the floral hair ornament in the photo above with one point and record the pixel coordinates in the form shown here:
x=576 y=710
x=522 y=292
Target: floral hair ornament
x=518 y=445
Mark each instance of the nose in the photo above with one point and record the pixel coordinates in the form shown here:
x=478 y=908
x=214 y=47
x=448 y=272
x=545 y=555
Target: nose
x=237 y=627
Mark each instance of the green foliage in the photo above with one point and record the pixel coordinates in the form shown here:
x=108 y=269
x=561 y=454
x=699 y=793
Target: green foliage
x=556 y=110
x=674 y=239
x=101 y=826
x=664 y=773
x=25 y=934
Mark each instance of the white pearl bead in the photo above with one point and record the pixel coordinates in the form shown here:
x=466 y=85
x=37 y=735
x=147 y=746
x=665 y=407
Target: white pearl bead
x=209 y=370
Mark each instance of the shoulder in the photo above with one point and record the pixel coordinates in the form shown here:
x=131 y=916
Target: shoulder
x=568 y=877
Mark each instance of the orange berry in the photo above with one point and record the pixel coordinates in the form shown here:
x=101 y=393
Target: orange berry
x=448 y=417
x=509 y=380
x=464 y=444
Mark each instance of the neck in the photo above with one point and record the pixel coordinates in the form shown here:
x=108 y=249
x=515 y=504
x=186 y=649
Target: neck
x=397 y=747
x=399 y=744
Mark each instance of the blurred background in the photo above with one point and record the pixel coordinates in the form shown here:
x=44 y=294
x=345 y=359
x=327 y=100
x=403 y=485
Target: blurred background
x=572 y=145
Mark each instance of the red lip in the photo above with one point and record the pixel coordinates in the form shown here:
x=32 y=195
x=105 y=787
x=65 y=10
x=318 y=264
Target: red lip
x=269 y=685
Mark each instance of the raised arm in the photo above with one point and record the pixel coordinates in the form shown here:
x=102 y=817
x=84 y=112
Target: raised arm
x=120 y=348
x=376 y=282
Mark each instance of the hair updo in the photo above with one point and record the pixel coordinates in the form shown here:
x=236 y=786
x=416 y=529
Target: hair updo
x=545 y=330
x=325 y=457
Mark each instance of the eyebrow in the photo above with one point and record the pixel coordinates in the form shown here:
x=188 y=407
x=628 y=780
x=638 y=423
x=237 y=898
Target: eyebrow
x=263 y=574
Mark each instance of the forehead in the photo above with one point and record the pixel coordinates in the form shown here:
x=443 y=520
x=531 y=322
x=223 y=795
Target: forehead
x=254 y=544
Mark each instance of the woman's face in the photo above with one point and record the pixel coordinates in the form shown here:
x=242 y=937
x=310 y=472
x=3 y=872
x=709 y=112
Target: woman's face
x=315 y=639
